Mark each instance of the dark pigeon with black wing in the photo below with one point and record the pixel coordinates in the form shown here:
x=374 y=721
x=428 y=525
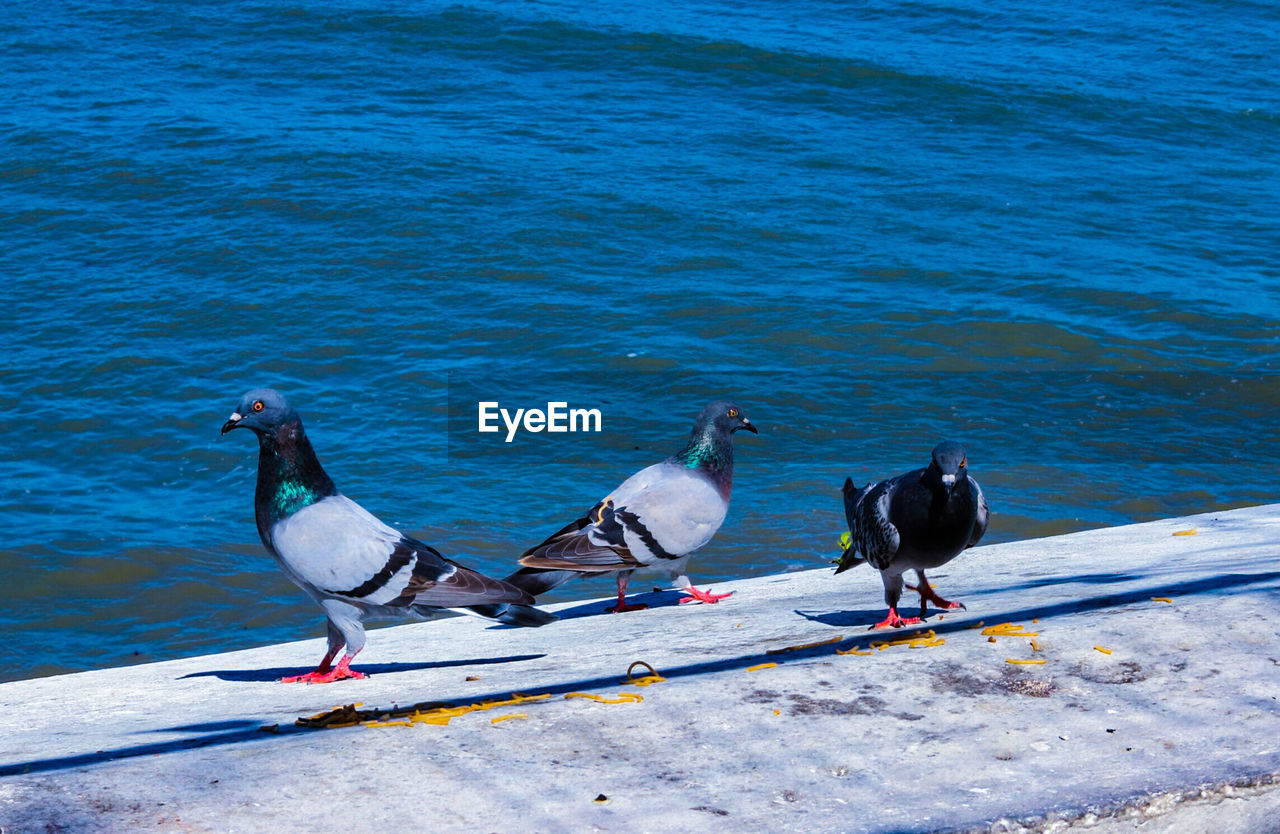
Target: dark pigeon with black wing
x=348 y=561
x=916 y=521
x=654 y=519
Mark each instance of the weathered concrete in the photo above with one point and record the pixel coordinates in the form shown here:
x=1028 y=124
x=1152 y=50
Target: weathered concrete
x=943 y=737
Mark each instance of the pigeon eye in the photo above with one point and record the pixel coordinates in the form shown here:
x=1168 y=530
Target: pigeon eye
x=964 y=462
x=733 y=412
x=257 y=406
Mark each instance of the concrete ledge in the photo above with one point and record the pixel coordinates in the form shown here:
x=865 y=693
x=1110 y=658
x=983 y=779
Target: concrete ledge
x=945 y=737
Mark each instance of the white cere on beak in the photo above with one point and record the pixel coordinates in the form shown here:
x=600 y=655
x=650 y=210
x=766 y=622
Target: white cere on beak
x=235 y=417
x=948 y=479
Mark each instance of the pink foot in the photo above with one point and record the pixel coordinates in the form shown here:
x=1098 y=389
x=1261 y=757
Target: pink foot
x=622 y=605
x=895 y=621
x=326 y=675
x=703 y=596
x=928 y=594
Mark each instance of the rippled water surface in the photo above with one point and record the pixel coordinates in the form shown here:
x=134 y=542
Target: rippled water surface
x=1048 y=233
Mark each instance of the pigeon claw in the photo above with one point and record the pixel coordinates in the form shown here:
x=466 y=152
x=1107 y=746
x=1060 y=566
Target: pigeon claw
x=928 y=594
x=895 y=620
x=703 y=596
x=326 y=675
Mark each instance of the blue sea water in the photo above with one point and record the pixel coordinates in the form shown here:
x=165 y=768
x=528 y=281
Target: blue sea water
x=1048 y=232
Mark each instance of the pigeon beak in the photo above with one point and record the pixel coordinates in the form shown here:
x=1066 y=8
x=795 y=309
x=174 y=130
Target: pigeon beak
x=232 y=422
x=749 y=426
x=949 y=481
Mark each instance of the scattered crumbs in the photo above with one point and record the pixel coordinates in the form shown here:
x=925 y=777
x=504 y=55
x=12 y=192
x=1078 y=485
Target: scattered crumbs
x=777 y=712
x=991 y=639
x=601 y=799
x=473 y=677
x=1162 y=599
x=761 y=666
x=1190 y=532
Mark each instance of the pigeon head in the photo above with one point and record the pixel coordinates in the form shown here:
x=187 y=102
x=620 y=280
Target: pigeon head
x=725 y=417
x=948 y=466
x=710 y=445
x=263 y=410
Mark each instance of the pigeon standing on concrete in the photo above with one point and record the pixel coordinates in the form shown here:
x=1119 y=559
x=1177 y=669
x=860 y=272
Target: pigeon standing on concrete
x=916 y=521
x=348 y=561
x=655 y=518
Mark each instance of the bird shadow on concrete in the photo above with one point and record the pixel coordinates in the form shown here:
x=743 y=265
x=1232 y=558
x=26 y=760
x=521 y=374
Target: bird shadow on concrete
x=243 y=731
x=964 y=619
x=209 y=727
x=1086 y=578
x=275 y=674
x=653 y=599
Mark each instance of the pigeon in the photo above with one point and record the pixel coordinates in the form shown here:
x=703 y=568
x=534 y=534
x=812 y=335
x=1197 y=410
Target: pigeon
x=655 y=518
x=916 y=521
x=353 y=565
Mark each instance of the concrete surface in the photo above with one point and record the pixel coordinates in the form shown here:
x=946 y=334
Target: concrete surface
x=1177 y=726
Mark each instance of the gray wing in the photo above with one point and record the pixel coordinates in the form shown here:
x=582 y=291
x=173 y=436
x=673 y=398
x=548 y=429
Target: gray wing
x=338 y=549
x=591 y=543
x=980 y=523
x=872 y=535
x=662 y=512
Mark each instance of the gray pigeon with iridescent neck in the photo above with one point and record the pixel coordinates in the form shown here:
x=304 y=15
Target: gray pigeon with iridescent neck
x=654 y=519
x=918 y=520
x=348 y=561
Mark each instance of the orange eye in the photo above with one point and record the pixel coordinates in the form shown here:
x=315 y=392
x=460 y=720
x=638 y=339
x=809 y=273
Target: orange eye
x=257 y=406
x=733 y=412
x=964 y=462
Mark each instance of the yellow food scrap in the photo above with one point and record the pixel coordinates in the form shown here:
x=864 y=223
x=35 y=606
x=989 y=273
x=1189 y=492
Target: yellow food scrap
x=1190 y=532
x=919 y=640
x=1025 y=662
x=1035 y=647
x=1008 y=630
x=623 y=697
x=508 y=717
x=978 y=624
x=1102 y=649
x=1162 y=599
x=761 y=666
x=812 y=645
x=423 y=713
x=854 y=650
